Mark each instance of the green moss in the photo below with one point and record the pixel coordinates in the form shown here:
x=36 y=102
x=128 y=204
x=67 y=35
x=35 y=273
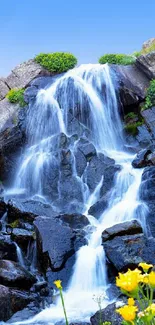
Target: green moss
x=122 y=59
x=130 y=115
x=149 y=49
x=56 y=62
x=14 y=224
x=16 y=96
x=131 y=128
x=150 y=95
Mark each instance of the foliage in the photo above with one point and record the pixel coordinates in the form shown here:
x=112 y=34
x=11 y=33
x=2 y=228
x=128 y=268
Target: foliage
x=16 y=96
x=137 y=54
x=130 y=115
x=150 y=95
x=98 y=300
x=59 y=287
x=14 y=224
x=56 y=62
x=132 y=127
x=122 y=59
x=139 y=286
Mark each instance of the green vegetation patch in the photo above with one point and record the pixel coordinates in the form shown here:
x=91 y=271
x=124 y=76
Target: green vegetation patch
x=122 y=59
x=56 y=62
x=150 y=95
x=132 y=128
x=16 y=96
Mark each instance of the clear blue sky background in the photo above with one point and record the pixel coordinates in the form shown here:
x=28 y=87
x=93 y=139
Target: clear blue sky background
x=87 y=28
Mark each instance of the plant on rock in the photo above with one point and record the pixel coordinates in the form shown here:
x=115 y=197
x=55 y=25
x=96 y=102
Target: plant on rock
x=122 y=59
x=16 y=96
x=56 y=62
x=150 y=95
x=139 y=286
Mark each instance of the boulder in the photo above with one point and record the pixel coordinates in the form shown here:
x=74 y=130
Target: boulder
x=128 y=251
x=99 y=207
x=8 y=114
x=3 y=88
x=107 y=315
x=142 y=159
x=27 y=210
x=7 y=248
x=24 y=73
x=132 y=85
x=11 y=144
x=149 y=118
x=57 y=241
x=13 y=275
x=22 y=237
x=12 y=300
x=147 y=194
x=146 y=64
x=122 y=229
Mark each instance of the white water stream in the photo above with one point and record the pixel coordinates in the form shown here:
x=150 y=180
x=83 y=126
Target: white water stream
x=51 y=113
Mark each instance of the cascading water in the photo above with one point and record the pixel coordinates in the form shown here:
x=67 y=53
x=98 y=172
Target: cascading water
x=87 y=93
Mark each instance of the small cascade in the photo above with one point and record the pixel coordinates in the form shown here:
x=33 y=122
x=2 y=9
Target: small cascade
x=20 y=255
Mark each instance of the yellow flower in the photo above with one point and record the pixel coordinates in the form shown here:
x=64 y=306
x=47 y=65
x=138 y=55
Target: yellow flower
x=131 y=302
x=58 y=284
x=145 y=266
x=151 y=279
x=144 y=278
x=127 y=312
x=151 y=309
x=129 y=280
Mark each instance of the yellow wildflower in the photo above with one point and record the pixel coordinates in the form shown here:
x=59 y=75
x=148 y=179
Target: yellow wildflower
x=151 y=309
x=151 y=279
x=129 y=280
x=127 y=312
x=131 y=302
x=144 y=278
x=58 y=284
x=145 y=266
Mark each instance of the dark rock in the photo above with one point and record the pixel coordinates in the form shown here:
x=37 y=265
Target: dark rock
x=13 y=275
x=146 y=63
x=55 y=242
x=108 y=314
x=149 y=118
x=31 y=310
x=40 y=285
x=101 y=166
x=5 y=302
x=81 y=162
x=75 y=221
x=22 y=237
x=98 y=208
x=122 y=229
x=30 y=94
x=7 y=248
x=144 y=137
x=128 y=251
x=132 y=86
x=87 y=148
x=142 y=159
x=11 y=144
x=147 y=194
x=20 y=299
x=3 y=207
x=27 y=210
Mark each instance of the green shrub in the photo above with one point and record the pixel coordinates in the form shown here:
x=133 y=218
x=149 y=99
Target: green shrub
x=131 y=128
x=16 y=96
x=56 y=62
x=122 y=59
x=150 y=95
x=137 y=54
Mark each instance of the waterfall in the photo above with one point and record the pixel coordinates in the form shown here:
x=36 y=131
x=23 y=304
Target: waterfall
x=87 y=93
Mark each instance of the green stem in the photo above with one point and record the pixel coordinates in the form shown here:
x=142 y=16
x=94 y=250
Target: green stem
x=63 y=305
x=151 y=296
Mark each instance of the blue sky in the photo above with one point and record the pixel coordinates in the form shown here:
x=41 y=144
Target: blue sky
x=87 y=28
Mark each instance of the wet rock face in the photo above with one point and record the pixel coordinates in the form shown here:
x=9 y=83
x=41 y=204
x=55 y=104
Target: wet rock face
x=143 y=159
x=147 y=194
x=13 y=275
x=108 y=314
x=58 y=239
x=126 y=246
x=7 y=248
